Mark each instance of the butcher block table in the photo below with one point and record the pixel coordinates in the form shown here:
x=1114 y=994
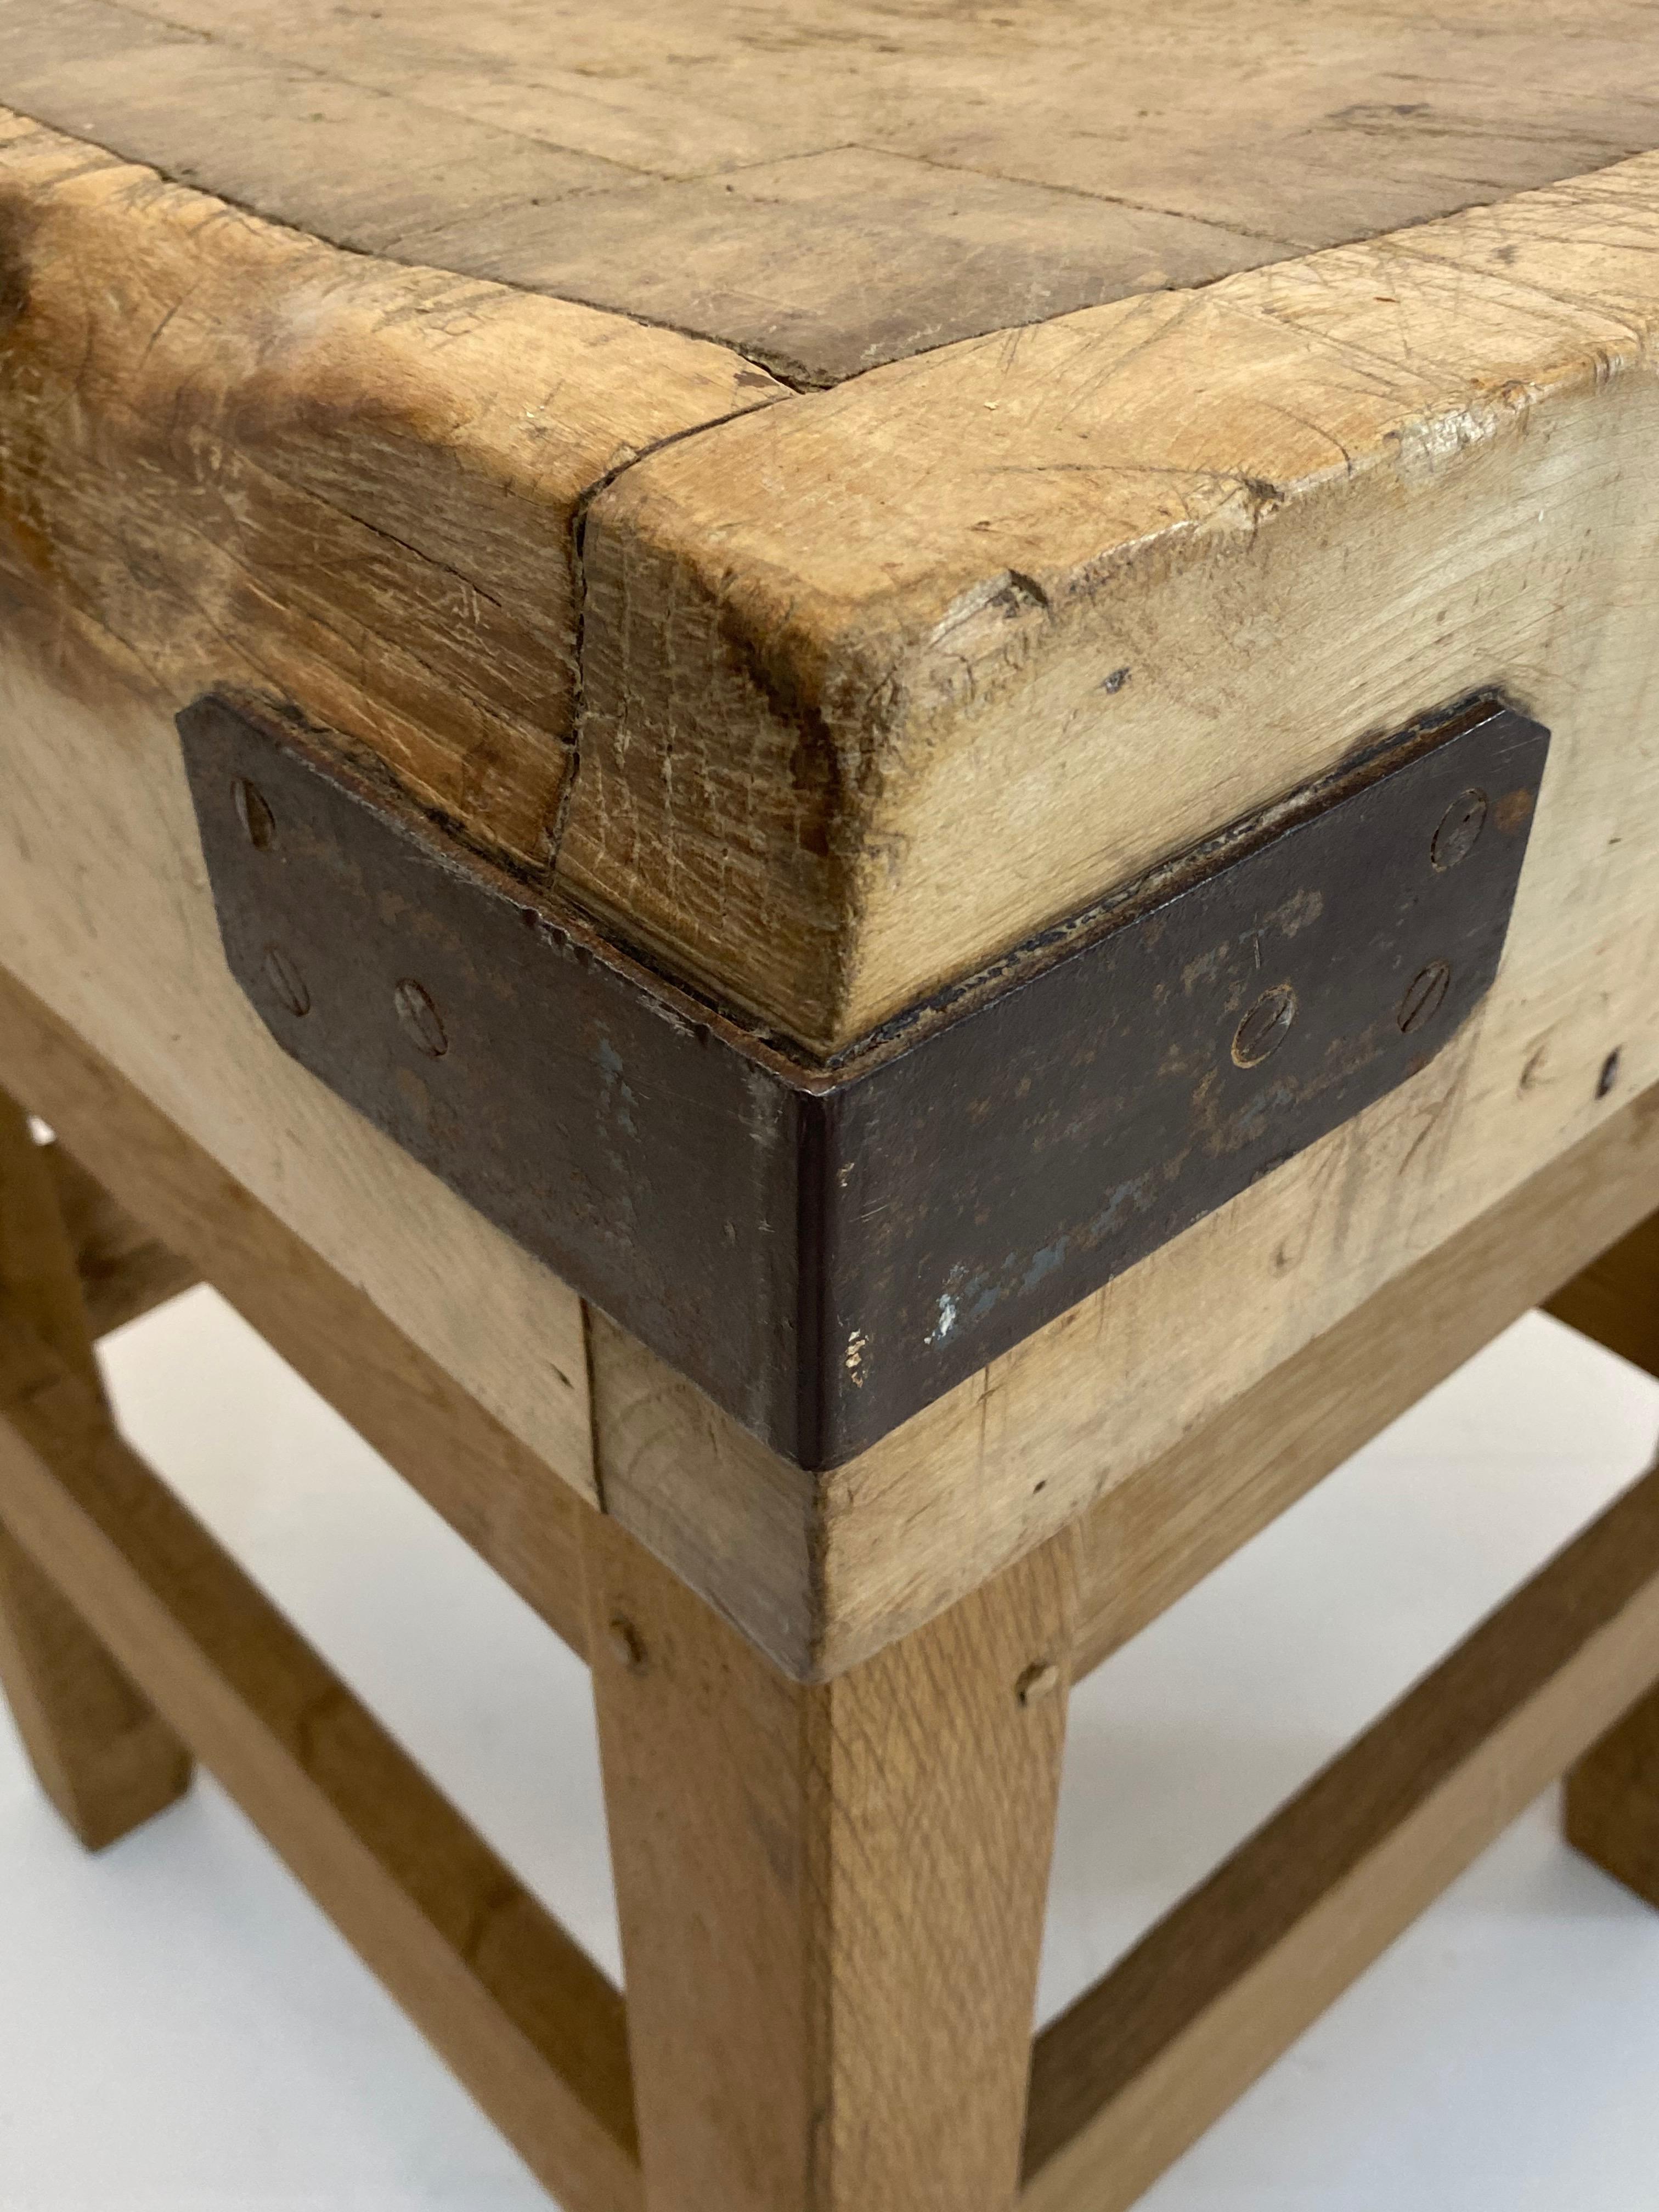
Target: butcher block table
x=861 y=805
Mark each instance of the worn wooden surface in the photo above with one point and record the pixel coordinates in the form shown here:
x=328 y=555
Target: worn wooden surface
x=516 y=1511
x=1398 y=471
x=529 y=2024
x=105 y=1759
x=841 y=739
x=880 y=681
x=1146 y=2059
x=223 y=446
x=831 y=1898
x=283 y=464
x=844 y=184
x=105 y=917
x=1007 y=593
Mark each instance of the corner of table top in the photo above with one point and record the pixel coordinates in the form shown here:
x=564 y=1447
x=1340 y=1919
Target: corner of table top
x=878 y=681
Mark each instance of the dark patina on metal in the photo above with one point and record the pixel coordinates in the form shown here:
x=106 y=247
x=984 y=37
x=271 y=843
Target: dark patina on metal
x=825 y=1248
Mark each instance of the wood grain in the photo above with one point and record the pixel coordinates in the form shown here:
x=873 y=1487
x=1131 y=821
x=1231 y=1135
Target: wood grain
x=825 y=265
x=831 y=1898
x=104 y=1757
x=783 y=579
x=225 y=448
x=233 y=453
x=510 y=1506
x=107 y=919
x=738 y=1524
x=1295 y=507
x=879 y=682
x=1612 y=1800
x=844 y=184
x=1148 y=2057
x=531 y=2027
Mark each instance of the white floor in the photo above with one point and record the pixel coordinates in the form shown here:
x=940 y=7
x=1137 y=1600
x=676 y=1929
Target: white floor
x=180 y=2029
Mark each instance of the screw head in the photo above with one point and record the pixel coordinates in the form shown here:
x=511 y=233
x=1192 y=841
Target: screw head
x=420 y=1018
x=1265 y=1027
x=285 y=979
x=1423 y=994
x=1460 y=826
x=253 y=812
x=1039 y=1680
x=627 y=1648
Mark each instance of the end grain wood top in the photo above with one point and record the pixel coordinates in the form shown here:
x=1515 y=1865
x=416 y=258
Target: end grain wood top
x=1113 y=526
x=827 y=186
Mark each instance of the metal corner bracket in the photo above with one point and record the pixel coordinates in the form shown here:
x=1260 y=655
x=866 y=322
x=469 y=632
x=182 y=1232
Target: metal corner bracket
x=826 y=1248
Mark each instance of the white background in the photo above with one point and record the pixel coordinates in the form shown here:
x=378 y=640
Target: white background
x=180 y=2029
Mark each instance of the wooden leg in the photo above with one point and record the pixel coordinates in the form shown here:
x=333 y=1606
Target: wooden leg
x=1126 y=2079
x=831 y=1895
x=1613 y=1802
x=104 y=1758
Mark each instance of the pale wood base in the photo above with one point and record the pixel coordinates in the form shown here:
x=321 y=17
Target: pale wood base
x=526 y=2021
x=1145 y=2060
x=831 y=1893
x=1613 y=1802
x=104 y=1757
x=107 y=1761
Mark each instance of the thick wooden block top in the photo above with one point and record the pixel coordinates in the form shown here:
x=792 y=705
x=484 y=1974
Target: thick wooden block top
x=837 y=491
x=834 y=495
x=828 y=186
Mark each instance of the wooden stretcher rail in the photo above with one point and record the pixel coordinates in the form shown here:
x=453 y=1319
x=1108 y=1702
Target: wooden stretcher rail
x=528 y=2023
x=1158 y=2049
x=509 y=1505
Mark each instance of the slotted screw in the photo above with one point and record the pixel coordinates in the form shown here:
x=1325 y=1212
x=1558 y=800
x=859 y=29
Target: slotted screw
x=420 y=1018
x=285 y=979
x=1460 y=826
x=1265 y=1027
x=253 y=812
x=1423 y=994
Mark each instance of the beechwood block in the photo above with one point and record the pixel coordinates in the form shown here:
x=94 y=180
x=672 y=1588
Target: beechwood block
x=1423 y=459
x=825 y=498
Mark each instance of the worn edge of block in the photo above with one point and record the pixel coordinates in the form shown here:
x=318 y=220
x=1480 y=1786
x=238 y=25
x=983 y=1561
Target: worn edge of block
x=872 y=690
x=233 y=452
